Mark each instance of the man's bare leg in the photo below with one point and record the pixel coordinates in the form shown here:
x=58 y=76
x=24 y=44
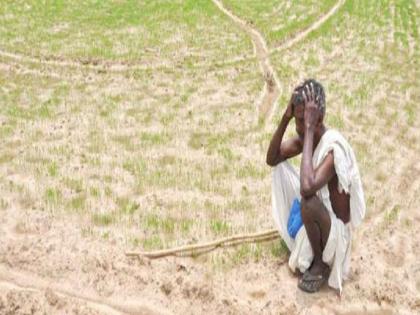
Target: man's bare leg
x=317 y=223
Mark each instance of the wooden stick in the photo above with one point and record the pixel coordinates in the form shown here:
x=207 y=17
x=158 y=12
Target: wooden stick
x=205 y=250
x=196 y=248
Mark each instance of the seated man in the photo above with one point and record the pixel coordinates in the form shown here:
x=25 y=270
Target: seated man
x=328 y=187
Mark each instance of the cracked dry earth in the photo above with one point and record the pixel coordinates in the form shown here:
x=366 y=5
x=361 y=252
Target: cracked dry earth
x=49 y=265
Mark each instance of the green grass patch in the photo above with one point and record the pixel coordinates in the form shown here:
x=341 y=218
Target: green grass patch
x=157 y=223
x=155 y=138
x=279 y=249
x=94 y=192
x=392 y=215
x=53 y=169
x=253 y=170
x=126 y=206
x=6 y=158
x=52 y=196
x=3 y=204
x=103 y=219
x=129 y=30
x=219 y=227
x=74 y=184
x=153 y=242
x=77 y=203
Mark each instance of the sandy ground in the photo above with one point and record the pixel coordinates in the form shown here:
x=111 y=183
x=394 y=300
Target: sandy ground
x=50 y=265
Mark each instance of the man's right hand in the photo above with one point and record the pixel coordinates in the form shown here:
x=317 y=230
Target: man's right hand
x=278 y=150
x=288 y=114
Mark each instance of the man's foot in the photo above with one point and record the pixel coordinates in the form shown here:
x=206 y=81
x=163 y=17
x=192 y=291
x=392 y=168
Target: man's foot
x=317 y=268
x=313 y=279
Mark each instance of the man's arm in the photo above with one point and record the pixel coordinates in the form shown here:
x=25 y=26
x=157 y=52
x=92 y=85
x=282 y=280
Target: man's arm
x=278 y=150
x=312 y=180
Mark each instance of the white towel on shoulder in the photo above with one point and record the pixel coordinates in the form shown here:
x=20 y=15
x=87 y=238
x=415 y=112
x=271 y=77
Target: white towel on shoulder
x=347 y=172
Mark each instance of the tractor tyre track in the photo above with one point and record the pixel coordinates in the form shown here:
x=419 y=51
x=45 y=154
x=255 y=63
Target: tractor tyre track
x=302 y=34
x=25 y=281
x=271 y=89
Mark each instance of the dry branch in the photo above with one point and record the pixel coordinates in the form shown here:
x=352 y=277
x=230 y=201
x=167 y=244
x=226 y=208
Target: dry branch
x=199 y=248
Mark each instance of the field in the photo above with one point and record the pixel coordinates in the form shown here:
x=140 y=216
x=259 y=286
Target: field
x=143 y=125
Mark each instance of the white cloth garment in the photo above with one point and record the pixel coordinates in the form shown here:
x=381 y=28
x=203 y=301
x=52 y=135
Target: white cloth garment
x=286 y=187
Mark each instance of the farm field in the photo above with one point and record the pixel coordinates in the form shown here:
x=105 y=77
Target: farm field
x=144 y=125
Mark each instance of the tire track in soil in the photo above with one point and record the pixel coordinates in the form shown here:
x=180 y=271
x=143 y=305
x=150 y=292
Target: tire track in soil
x=302 y=34
x=109 y=65
x=105 y=65
x=25 y=281
x=271 y=90
x=21 y=69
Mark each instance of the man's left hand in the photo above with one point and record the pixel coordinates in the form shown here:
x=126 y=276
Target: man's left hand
x=312 y=112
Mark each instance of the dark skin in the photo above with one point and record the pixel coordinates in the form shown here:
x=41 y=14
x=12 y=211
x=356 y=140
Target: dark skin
x=310 y=128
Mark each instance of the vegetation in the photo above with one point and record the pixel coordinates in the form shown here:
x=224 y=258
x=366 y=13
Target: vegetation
x=142 y=114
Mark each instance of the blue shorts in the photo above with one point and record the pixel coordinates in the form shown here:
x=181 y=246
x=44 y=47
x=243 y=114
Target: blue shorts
x=295 y=219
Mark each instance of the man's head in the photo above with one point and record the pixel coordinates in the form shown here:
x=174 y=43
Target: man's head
x=299 y=103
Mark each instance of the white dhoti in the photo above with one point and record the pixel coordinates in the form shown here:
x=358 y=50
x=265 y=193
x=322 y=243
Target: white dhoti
x=286 y=187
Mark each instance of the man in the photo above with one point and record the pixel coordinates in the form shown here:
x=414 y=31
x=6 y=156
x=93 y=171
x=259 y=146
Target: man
x=328 y=187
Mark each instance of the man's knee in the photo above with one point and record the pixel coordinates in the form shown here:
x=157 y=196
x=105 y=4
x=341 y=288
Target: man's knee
x=309 y=208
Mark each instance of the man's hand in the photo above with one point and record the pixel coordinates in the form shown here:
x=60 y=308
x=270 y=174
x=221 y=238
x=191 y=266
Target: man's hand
x=278 y=150
x=289 y=110
x=312 y=112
